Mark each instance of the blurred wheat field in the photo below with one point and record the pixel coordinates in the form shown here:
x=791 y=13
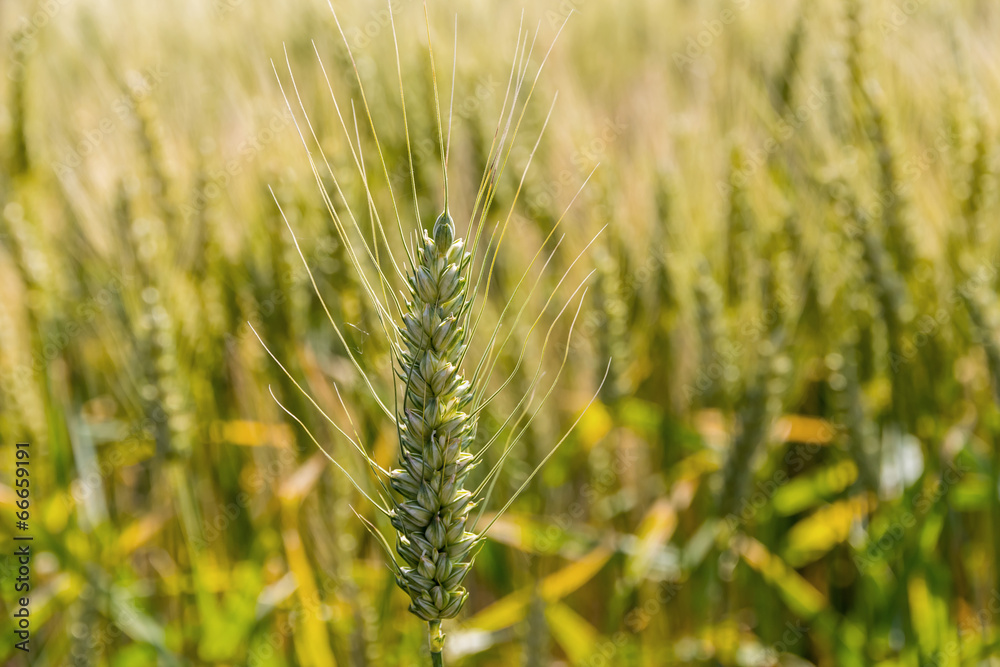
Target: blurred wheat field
x=793 y=461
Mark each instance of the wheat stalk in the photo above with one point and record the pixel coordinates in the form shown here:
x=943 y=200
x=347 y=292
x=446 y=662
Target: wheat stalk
x=436 y=406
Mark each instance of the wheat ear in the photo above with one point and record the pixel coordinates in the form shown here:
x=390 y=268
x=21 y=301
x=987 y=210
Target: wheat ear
x=435 y=431
x=436 y=415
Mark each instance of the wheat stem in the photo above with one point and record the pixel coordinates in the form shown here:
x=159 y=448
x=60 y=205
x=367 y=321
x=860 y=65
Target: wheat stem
x=437 y=643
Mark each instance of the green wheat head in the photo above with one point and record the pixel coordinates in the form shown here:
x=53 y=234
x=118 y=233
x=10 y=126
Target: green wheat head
x=427 y=497
x=435 y=432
